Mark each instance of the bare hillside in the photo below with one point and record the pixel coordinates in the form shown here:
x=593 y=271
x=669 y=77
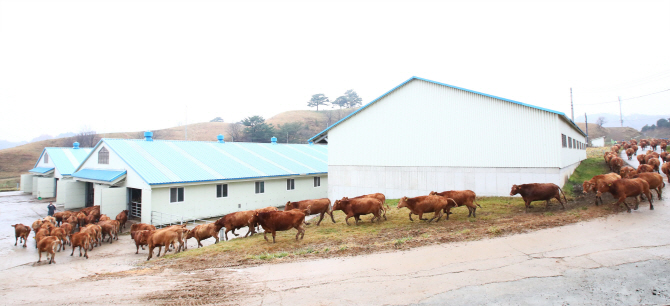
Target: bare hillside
x=616 y=133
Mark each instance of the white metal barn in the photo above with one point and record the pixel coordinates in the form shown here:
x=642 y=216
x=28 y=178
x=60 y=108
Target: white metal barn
x=166 y=180
x=598 y=142
x=52 y=170
x=424 y=135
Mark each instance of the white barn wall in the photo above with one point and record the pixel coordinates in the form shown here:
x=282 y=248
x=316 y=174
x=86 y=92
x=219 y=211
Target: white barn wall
x=133 y=180
x=570 y=156
x=399 y=132
x=200 y=201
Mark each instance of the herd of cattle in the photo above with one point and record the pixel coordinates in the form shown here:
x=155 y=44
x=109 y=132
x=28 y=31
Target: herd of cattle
x=625 y=181
x=88 y=228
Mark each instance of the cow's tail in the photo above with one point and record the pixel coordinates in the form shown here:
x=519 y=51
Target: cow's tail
x=563 y=193
x=475 y=200
x=455 y=204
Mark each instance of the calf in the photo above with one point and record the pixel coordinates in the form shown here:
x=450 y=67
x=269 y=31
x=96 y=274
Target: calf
x=357 y=207
x=72 y=220
x=644 y=168
x=109 y=228
x=379 y=196
x=40 y=235
x=654 y=180
x=629 y=153
x=664 y=156
x=281 y=221
x=122 y=217
x=634 y=147
x=655 y=164
x=61 y=216
x=160 y=239
x=266 y=209
x=181 y=232
x=317 y=206
x=462 y=197
x=538 y=192
x=666 y=170
x=235 y=221
x=81 y=218
x=623 y=188
x=81 y=240
x=205 y=231
x=140 y=227
x=627 y=171
x=140 y=238
x=641 y=158
x=67 y=227
x=21 y=231
x=50 y=219
x=48 y=244
x=427 y=204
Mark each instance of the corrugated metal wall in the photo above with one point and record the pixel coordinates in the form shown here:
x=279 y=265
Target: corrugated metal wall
x=426 y=124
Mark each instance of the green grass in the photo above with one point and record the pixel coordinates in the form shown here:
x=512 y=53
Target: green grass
x=589 y=168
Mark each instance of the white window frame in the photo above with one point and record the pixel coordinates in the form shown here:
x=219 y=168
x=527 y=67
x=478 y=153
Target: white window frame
x=183 y=195
x=107 y=152
x=46 y=157
x=217 y=191
x=290 y=184
x=262 y=187
x=317 y=181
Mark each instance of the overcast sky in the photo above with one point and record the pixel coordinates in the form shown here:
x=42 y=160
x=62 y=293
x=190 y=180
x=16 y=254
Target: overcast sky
x=137 y=65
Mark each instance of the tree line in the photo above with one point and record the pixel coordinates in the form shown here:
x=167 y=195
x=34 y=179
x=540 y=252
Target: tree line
x=661 y=123
x=350 y=99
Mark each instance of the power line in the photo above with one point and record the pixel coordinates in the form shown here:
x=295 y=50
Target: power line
x=648 y=94
x=617 y=101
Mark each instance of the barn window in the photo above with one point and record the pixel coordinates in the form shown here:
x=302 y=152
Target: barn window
x=103 y=156
x=317 y=181
x=46 y=158
x=570 y=142
x=260 y=187
x=290 y=184
x=176 y=194
x=565 y=140
x=574 y=143
x=222 y=190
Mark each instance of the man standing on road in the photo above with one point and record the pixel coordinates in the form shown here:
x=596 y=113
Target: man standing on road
x=52 y=209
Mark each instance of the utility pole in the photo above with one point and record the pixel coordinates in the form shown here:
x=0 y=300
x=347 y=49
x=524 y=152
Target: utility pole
x=620 y=115
x=572 y=108
x=586 y=122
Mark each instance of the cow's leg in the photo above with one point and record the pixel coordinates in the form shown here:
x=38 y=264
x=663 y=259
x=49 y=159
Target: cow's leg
x=421 y=217
x=658 y=192
x=346 y=220
x=274 y=233
x=216 y=236
x=25 y=239
x=16 y=241
x=651 y=205
x=199 y=244
x=137 y=245
x=321 y=218
x=333 y=218
x=433 y=218
x=225 y=234
x=265 y=235
x=410 y=217
x=40 y=259
x=558 y=197
x=547 y=207
x=233 y=230
x=160 y=247
x=474 y=211
x=527 y=206
x=302 y=232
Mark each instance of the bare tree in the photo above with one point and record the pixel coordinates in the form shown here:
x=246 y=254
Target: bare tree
x=87 y=137
x=330 y=117
x=601 y=121
x=235 y=131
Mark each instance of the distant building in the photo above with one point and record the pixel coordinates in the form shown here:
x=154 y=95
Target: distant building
x=54 y=167
x=163 y=180
x=598 y=142
x=424 y=135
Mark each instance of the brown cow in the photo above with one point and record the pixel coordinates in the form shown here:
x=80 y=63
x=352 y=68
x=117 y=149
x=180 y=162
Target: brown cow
x=122 y=217
x=462 y=197
x=68 y=228
x=61 y=216
x=664 y=146
x=48 y=244
x=655 y=164
x=357 y=207
x=624 y=188
x=50 y=219
x=666 y=170
x=615 y=164
x=81 y=240
x=317 y=206
x=104 y=217
x=641 y=158
x=21 y=231
x=235 y=221
x=62 y=236
x=73 y=220
x=627 y=171
x=140 y=238
x=48 y=226
x=95 y=233
x=664 y=156
x=629 y=153
x=427 y=204
x=205 y=231
x=654 y=180
x=40 y=235
x=281 y=221
x=140 y=227
x=644 y=168
x=37 y=225
x=181 y=231
x=538 y=192
x=379 y=196
x=109 y=228
x=81 y=218
x=634 y=147
x=161 y=238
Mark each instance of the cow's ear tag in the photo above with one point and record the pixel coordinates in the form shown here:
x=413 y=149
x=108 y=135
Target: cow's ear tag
x=609 y=184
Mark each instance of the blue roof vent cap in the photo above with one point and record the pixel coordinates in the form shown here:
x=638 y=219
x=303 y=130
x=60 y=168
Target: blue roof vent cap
x=311 y=143
x=220 y=138
x=75 y=145
x=148 y=136
x=274 y=140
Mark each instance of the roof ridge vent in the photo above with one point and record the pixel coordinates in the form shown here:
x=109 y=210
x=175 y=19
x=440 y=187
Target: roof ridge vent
x=273 y=140
x=75 y=145
x=148 y=136
x=220 y=138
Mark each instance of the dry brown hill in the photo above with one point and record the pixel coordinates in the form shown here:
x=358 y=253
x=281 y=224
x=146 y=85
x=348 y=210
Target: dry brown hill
x=18 y=160
x=616 y=133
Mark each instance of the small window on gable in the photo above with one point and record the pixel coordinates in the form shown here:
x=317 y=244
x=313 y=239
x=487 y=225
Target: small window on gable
x=46 y=158
x=103 y=156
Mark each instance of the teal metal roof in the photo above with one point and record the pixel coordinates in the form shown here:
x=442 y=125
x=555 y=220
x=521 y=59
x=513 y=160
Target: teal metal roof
x=66 y=160
x=173 y=161
x=99 y=175
x=456 y=87
x=41 y=170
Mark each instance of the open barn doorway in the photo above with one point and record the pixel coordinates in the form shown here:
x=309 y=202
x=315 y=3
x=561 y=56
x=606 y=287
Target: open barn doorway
x=89 y=194
x=135 y=202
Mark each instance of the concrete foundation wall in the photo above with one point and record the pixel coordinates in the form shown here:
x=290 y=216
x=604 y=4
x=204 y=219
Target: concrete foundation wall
x=396 y=182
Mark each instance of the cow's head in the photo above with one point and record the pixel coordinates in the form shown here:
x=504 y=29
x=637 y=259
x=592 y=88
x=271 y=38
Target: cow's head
x=433 y=193
x=288 y=206
x=220 y=222
x=336 y=205
x=586 y=187
x=403 y=202
x=515 y=190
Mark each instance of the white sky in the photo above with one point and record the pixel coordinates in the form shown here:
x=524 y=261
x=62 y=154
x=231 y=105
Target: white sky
x=135 y=65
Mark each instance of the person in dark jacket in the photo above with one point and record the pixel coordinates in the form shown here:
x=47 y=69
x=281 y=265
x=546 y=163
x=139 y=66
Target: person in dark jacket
x=52 y=209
